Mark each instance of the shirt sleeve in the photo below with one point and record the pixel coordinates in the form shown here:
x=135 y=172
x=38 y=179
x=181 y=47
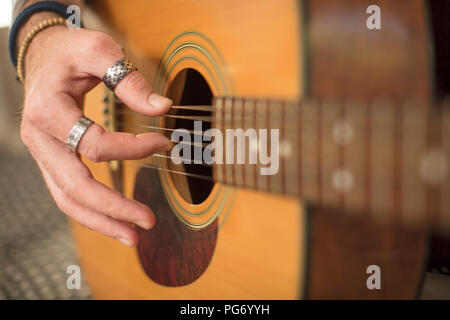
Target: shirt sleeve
x=17 y=5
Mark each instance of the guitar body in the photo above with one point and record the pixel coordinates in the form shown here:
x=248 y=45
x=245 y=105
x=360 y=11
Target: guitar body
x=214 y=241
x=260 y=239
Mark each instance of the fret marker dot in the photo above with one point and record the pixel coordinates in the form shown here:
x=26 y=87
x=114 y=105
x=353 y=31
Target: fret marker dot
x=343 y=133
x=434 y=167
x=343 y=180
x=285 y=149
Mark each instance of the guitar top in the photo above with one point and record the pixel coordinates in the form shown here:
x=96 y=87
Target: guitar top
x=313 y=139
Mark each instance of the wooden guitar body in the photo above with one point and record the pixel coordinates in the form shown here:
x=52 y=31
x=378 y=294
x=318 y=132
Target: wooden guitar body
x=260 y=237
x=214 y=240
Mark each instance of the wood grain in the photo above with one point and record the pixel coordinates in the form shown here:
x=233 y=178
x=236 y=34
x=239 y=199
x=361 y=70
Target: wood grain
x=348 y=60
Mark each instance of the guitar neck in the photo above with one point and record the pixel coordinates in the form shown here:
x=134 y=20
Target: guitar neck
x=390 y=160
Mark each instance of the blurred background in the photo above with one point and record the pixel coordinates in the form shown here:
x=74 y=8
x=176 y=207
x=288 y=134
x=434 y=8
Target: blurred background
x=35 y=240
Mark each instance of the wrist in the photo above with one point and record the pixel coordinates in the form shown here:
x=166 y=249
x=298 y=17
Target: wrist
x=27 y=11
x=42 y=48
x=30 y=24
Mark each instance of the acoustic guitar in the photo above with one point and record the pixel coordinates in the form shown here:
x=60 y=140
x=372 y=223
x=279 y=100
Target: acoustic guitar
x=363 y=177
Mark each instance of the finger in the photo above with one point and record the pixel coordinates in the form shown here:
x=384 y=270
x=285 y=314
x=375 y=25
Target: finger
x=76 y=181
x=135 y=92
x=98 y=145
x=133 y=89
x=105 y=225
x=59 y=115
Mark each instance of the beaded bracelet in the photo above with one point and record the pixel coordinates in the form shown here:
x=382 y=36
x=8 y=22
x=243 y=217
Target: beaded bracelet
x=26 y=42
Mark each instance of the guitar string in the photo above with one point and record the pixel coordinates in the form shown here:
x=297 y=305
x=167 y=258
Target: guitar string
x=381 y=122
x=204 y=108
x=123 y=109
x=132 y=125
x=306 y=133
x=170 y=116
x=324 y=171
x=209 y=179
x=160 y=128
x=194 y=108
x=376 y=181
x=193 y=118
x=127 y=111
x=193 y=175
x=194 y=144
x=158 y=155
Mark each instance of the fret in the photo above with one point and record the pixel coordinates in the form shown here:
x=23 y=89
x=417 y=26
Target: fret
x=397 y=158
x=431 y=168
x=364 y=158
x=262 y=109
x=218 y=124
x=309 y=151
x=242 y=125
x=413 y=147
x=335 y=178
x=276 y=180
x=445 y=189
x=354 y=138
x=228 y=155
x=382 y=168
x=238 y=123
x=249 y=123
x=289 y=152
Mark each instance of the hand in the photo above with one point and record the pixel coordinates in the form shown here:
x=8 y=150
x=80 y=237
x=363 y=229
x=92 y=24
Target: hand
x=61 y=66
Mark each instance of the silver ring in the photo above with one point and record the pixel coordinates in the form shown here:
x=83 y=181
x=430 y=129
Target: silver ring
x=117 y=72
x=77 y=132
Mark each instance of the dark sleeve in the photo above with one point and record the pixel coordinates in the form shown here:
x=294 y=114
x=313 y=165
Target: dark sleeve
x=18 y=4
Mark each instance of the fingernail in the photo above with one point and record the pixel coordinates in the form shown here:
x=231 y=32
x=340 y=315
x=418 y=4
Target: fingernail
x=144 y=225
x=159 y=101
x=126 y=242
x=165 y=147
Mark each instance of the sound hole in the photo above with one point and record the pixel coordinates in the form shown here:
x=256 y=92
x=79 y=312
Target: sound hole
x=189 y=88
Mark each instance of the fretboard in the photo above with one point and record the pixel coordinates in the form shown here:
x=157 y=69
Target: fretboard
x=389 y=160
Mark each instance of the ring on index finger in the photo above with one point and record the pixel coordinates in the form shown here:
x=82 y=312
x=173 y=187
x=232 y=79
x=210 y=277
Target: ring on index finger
x=117 y=72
